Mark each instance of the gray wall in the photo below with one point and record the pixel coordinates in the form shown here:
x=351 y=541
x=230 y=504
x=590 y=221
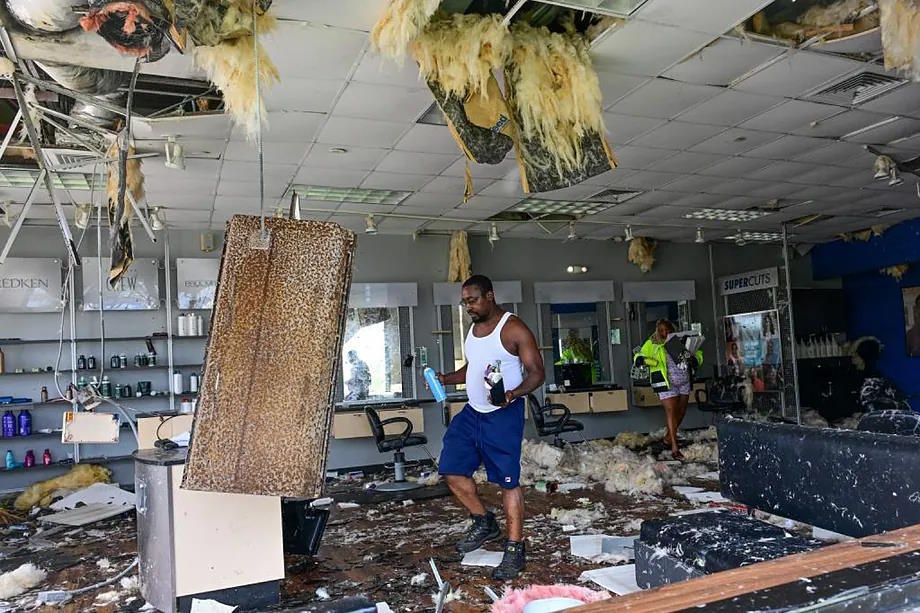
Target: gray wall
x=424 y=261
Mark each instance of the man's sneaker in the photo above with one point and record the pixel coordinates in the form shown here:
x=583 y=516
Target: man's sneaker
x=513 y=562
x=484 y=529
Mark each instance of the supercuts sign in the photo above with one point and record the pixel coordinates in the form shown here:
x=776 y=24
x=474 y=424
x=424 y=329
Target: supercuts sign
x=749 y=281
x=30 y=285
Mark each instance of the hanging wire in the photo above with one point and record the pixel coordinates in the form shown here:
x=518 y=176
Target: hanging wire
x=258 y=102
x=123 y=150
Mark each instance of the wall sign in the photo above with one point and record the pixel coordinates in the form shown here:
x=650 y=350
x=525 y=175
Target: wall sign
x=137 y=290
x=749 y=281
x=196 y=282
x=30 y=285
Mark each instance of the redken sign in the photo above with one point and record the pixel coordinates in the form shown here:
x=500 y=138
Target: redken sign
x=30 y=285
x=196 y=282
x=137 y=290
x=749 y=281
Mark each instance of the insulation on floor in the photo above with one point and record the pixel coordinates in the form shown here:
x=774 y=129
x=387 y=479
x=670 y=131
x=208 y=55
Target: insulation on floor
x=265 y=410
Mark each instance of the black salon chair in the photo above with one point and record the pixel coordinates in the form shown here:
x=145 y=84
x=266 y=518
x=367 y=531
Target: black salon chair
x=395 y=443
x=552 y=420
x=722 y=395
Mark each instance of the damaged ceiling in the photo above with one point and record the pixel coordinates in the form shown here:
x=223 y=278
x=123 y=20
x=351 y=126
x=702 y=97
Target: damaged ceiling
x=721 y=108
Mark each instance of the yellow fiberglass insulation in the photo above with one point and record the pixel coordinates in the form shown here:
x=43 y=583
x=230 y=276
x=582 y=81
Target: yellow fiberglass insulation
x=895 y=272
x=231 y=66
x=460 y=267
x=642 y=253
x=556 y=92
x=831 y=15
x=459 y=52
x=400 y=23
x=43 y=493
x=900 y=25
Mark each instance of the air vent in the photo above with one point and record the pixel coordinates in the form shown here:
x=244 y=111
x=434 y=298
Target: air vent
x=614 y=196
x=858 y=89
x=69 y=159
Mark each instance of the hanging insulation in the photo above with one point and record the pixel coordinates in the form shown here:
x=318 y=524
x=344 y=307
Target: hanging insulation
x=829 y=21
x=895 y=272
x=555 y=97
x=642 y=253
x=900 y=24
x=456 y=55
x=137 y=27
x=122 y=240
x=401 y=22
x=460 y=267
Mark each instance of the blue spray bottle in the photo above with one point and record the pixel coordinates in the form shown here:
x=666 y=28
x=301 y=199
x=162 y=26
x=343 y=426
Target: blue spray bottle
x=437 y=389
x=10 y=460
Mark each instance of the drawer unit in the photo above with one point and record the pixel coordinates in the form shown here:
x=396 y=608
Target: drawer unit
x=353 y=424
x=609 y=401
x=578 y=402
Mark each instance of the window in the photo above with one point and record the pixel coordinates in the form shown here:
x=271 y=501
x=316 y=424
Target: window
x=372 y=366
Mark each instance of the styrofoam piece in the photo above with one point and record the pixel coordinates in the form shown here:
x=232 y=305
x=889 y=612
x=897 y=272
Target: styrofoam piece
x=482 y=557
x=827 y=535
x=97 y=493
x=210 y=606
x=620 y=580
x=602 y=548
x=87 y=514
x=705 y=497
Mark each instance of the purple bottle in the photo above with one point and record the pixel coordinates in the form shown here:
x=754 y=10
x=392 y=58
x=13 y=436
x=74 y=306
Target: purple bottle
x=9 y=425
x=25 y=423
x=30 y=459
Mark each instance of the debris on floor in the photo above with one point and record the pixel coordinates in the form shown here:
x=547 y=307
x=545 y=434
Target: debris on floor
x=600 y=548
x=620 y=580
x=20 y=581
x=43 y=493
x=514 y=601
x=482 y=557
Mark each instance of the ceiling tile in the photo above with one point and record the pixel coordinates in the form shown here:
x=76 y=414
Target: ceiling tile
x=719 y=15
x=285 y=127
x=904 y=100
x=354 y=223
x=504 y=189
x=851 y=155
x=617 y=52
x=781 y=171
x=899 y=128
x=774 y=189
x=360 y=132
x=375 y=69
x=506 y=169
x=293 y=94
x=393 y=180
x=364 y=208
x=301 y=50
x=798 y=73
x=416 y=163
x=428 y=139
x=789 y=116
x=624 y=128
x=677 y=135
x=397 y=225
x=355 y=158
x=383 y=102
x=686 y=161
x=663 y=99
x=249 y=171
x=651 y=180
x=186 y=215
x=738 y=202
x=786 y=147
x=330 y=177
x=736 y=187
x=729 y=108
x=236 y=204
x=734 y=167
x=273 y=153
x=182 y=201
x=451 y=185
x=724 y=61
x=488 y=203
x=734 y=141
x=355 y=14
x=693 y=183
x=615 y=86
x=273 y=189
x=697 y=201
x=429 y=202
x=448 y=226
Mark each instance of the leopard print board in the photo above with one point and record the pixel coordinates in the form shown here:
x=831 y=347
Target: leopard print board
x=265 y=410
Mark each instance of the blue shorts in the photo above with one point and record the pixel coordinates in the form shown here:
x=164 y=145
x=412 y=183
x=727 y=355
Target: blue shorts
x=493 y=439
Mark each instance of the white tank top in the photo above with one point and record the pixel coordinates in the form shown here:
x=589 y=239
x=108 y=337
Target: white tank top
x=481 y=354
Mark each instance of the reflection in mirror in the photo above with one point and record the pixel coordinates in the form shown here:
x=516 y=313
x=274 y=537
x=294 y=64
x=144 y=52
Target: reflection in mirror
x=371 y=361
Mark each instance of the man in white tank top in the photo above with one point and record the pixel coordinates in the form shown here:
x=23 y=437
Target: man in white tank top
x=490 y=429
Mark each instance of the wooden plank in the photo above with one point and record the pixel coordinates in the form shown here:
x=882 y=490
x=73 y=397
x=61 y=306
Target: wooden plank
x=731 y=583
x=265 y=411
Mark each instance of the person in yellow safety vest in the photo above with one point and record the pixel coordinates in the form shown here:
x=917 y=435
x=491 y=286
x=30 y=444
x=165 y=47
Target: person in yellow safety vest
x=671 y=380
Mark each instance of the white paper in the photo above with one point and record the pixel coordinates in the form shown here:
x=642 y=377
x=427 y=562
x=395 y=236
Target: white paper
x=349 y=505
x=592 y=547
x=210 y=606
x=383 y=607
x=705 y=497
x=482 y=557
x=620 y=580
x=182 y=439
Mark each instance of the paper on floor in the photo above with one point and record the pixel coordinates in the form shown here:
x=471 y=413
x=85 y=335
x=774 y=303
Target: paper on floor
x=706 y=497
x=620 y=580
x=383 y=607
x=602 y=548
x=210 y=606
x=482 y=557
x=97 y=493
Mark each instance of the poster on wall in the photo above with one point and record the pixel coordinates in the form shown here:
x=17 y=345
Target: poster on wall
x=30 y=285
x=911 y=296
x=196 y=282
x=137 y=290
x=753 y=350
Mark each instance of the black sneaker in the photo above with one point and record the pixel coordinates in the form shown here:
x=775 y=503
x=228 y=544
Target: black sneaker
x=513 y=562
x=484 y=529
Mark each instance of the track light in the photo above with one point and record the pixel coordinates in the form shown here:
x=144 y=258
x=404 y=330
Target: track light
x=493 y=234
x=157 y=219
x=572 y=236
x=883 y=165
x=175 y=158
x=370 y=225
x=576 y=269
x=739 y=239
x=629 y=235
x=895 y=178
x=699 y=236
x=83 y=215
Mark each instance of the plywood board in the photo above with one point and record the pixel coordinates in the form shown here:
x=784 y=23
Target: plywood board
x=265 y=409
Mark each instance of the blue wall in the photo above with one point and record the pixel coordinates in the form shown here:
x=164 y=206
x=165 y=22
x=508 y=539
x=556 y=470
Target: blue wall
x=874 y=302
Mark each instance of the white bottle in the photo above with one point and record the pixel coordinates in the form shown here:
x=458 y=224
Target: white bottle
x=183 y=325
x=177 y=382
x=199 y=325
x=193 y=383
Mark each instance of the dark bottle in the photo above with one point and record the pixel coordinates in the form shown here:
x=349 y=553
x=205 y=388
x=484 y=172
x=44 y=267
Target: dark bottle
x=25 y=423
x=44 y=393
x=81 y=363
x=91 y=362
x=9 y=425
x=30 y=459
x=46 y=458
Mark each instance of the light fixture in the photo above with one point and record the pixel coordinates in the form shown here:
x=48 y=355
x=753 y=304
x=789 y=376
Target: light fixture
x=576 y=269
x=175 y=158
x=541 y=206
x=207 y=242
x=370 y=225
x=493 y=234
x=727 y=214
x=157 y=218
x=895 y=177
x=882 y=167
x=350 y=194
x=741 y=237
x=740 y=240
x=628 y=236
x=83 y=215
x=572 y=236
x=699 y=236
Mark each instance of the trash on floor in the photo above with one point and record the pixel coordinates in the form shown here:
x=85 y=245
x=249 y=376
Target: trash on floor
x=20 y=580
x=620 y=580
x=43 y=493
x=97 y=493
x=482 y=557
x=602 y=548
x=87 y=514
x=514 y=601
x=210 y=606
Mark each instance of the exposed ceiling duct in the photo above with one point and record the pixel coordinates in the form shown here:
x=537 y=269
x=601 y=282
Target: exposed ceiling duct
x=49 y=16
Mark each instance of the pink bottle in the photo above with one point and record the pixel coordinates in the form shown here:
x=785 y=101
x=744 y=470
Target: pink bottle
x=30 y=459
x=46 y=458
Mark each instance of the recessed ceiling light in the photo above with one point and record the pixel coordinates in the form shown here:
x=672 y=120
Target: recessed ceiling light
x=350 y=194
x=370 y=225
x=539 y=206
x=699 y=236
x=726 y=214
x=11 y=176
x=338 y=150
x=742 y=237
